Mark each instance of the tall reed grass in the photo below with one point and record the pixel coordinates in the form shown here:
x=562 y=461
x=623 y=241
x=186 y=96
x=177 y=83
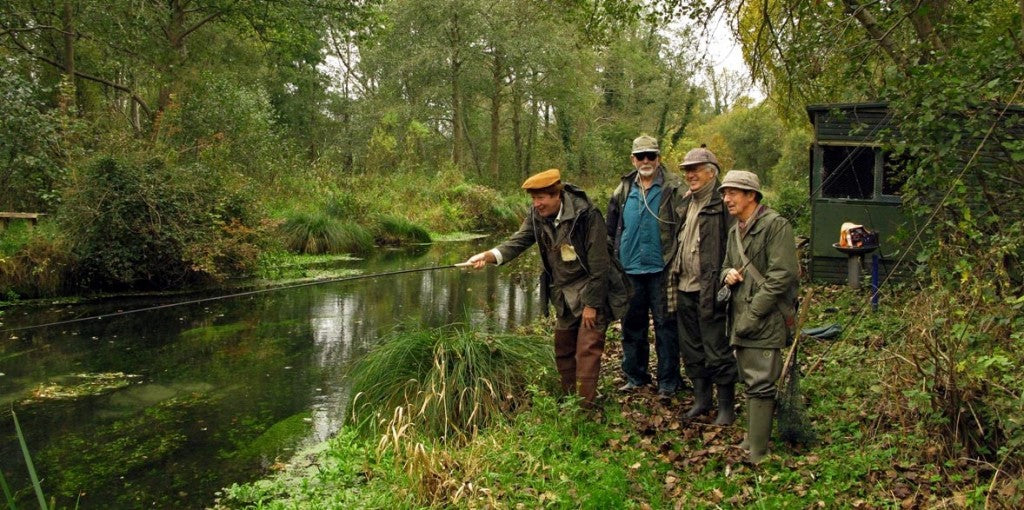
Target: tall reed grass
x=29 y=465
x=446 y=383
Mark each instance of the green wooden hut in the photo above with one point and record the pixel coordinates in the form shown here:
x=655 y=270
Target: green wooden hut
x=852 y=180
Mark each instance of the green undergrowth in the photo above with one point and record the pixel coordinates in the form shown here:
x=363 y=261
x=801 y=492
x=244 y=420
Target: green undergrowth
x=874 y=448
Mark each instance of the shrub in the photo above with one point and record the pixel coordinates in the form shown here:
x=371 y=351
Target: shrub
x=956 y=372
x=448 y=382
x=315 y=233
x=344 y=206
x=484 y=207
x=157 y=226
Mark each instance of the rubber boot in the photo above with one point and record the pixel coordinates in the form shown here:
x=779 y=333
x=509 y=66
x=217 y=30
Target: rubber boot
x=759 y=431
x=726 y=404
x=565 y=359
x=701 y=398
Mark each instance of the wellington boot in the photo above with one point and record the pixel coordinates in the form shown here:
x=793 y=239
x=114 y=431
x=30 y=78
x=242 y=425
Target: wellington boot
x=759 y=431
x=726 y=404
x=745 y=444
x=701 y=398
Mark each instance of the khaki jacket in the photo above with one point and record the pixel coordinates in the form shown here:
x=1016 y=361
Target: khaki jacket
x=756 y=319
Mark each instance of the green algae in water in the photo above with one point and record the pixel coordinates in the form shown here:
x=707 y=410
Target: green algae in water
x=222 y=331
x=107 y=453
x=278 y=437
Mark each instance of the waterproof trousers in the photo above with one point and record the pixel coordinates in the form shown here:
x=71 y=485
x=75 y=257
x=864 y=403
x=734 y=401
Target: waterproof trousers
x=760 y=369
x=704 y=344
x=578 y=352
x=648 y=302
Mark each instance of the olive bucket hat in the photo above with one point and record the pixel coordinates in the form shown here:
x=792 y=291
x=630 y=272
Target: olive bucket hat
x=742 y=179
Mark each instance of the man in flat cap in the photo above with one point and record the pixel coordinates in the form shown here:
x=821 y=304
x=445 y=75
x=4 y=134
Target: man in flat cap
x=693 y=282
x=586 y=287
x=760 y=269
x=641 y=225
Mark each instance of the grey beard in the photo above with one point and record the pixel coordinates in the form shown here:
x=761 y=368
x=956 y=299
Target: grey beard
x=646 y=173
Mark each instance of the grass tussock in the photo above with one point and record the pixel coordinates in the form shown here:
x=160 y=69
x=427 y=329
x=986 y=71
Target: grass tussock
x=393 y=230
x=318 y=233
x=445 y=383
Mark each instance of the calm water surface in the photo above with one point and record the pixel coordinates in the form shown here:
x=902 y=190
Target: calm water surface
x=163 y=408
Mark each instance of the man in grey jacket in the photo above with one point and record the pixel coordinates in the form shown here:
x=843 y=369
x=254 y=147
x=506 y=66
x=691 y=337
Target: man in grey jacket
x=760 y=269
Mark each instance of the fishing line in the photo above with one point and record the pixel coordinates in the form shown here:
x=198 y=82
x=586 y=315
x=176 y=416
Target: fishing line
x=235 y=295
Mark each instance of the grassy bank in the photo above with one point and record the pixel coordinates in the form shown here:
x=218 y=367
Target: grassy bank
x=874 y=450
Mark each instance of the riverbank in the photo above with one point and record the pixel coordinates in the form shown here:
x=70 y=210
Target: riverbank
x=872 y=450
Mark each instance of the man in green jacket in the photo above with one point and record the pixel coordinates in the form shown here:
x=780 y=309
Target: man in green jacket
x=760 y=269
x=586 y=287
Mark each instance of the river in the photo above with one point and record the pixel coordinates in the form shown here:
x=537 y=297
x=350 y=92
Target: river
x=161 y=409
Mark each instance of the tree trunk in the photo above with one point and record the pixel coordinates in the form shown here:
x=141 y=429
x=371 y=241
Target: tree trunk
x=881 y=37
x=517 y=134
x=531 y=136
x=496 y=82
x=68 y=96
x=454 y=75
x=663 y=118
x=564 y=120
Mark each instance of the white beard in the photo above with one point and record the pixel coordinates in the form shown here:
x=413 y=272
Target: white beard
x=646 y=173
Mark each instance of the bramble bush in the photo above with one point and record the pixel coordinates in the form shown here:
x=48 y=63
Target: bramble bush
x=153 y=225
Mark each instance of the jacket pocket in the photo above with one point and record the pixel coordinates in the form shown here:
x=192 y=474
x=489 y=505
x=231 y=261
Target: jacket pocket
x=749 y=327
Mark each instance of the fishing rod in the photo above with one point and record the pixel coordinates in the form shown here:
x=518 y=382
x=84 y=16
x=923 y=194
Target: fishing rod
x=239 y=294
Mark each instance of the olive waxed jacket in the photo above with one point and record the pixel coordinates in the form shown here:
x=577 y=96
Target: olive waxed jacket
x=756 y=317
x=591 y=278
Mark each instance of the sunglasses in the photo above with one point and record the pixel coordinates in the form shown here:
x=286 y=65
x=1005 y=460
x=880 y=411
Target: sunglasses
x=649 y=156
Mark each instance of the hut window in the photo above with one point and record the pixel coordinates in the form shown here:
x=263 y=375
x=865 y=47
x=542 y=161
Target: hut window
x=894 y=174
x=848 y=172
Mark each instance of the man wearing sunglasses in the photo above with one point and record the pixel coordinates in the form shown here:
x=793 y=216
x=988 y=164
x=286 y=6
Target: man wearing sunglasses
x=641 y=226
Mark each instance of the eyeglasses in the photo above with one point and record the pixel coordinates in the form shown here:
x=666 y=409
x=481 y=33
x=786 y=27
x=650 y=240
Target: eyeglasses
x=649 y=156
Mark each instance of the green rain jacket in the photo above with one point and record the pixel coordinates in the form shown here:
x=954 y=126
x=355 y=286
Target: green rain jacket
x=756 y=317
